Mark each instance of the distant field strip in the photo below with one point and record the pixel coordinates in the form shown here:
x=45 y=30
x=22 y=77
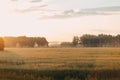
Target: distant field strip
x=60 y=58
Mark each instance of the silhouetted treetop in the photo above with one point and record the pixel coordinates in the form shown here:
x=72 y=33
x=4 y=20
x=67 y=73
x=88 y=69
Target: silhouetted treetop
x=23 y=41
x=101 y=40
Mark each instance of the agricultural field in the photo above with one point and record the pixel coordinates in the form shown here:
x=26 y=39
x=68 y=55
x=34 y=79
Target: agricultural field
x=60 y=58
x=98 y=60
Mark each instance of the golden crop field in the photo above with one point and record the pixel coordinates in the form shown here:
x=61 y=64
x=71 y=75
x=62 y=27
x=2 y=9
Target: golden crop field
x=60 y=58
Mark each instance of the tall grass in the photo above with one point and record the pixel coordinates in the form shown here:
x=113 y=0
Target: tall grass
x=17 y=74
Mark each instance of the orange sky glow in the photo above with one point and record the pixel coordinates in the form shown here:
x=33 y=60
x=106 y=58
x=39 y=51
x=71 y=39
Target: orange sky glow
x=47 y=18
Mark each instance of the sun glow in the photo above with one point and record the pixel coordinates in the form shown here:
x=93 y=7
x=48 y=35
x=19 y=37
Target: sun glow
x=61 y=27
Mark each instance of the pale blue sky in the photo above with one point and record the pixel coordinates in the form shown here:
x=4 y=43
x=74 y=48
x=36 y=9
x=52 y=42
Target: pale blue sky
x=59 y=20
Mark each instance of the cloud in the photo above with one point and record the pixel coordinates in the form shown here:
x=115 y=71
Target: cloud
x=26 y=6
x=35 y=1
x=74 y=13
x=112 y=8
x=86 y=12
x=100 y=30
x=31 y=9
x=13 y=0
x=45 y=11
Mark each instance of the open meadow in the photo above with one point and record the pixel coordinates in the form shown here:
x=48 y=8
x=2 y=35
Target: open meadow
x=60 y=58
x=97 y=60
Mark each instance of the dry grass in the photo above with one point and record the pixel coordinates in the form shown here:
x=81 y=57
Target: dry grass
x=60 y=64
x=60 y=58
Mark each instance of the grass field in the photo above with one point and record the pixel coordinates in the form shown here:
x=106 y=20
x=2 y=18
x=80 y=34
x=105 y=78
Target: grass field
x=33 y=62
x=60 y=58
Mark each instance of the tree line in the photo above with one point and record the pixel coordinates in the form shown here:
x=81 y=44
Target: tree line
x=86 y=40
x=23 y=41
x=101 y=40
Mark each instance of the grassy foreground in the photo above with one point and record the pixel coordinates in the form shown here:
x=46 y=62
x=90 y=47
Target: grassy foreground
x=18 y=74
x=60 y=64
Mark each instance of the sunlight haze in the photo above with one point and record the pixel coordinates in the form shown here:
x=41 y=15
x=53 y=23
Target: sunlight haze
x=59 y=20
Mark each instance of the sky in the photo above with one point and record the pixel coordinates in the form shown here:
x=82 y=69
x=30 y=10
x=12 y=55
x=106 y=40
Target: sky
x=59 y=20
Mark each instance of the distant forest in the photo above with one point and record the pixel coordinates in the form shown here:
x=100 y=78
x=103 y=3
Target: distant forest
x=87 y=40
x=23 y=41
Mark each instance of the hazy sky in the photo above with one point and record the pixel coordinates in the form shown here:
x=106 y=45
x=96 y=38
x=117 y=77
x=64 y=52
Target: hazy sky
x=59 y=20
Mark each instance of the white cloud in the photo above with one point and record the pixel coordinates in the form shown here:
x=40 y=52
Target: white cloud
x=44 y=11
x=86 y=12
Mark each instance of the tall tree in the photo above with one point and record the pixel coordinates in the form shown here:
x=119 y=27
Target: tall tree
x=89 y=40
x=75 y=41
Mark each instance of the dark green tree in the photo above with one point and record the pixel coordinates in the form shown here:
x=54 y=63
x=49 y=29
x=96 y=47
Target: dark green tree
x=89 y=40
x=75 y=41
